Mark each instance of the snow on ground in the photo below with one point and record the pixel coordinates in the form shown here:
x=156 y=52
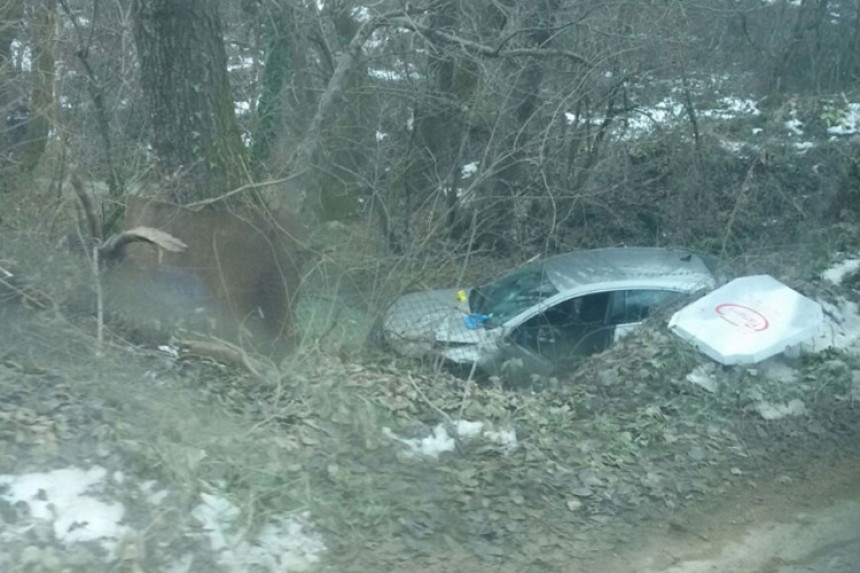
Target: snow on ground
x=732 y=107
x=440 y=441
x=66 y=499
x=770 y=411
x=840 y=270
x=241 y=108
x=387 y=75
x=842 y=325
x=78 y=507
x=240 y=63
x=850 y=121
x=664 y=112
x=735 y=147
x=469 y=169
x=670 y=110
x=794 y=125
x=841 y=317
x=283 y=544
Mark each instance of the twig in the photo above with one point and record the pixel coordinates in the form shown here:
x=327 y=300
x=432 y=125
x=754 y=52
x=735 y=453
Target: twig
x=93 y=220
x=100 y=312
x=222 y=351
x=742 y=193
x=429 y=403
x=467 y=390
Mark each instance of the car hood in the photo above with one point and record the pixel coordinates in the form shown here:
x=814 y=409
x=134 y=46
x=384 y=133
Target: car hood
x=417 y=321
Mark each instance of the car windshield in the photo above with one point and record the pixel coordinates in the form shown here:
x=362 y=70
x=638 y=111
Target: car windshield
x=512 y=294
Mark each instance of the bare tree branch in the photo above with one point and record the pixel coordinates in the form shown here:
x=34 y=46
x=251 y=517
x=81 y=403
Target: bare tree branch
x=485 y=50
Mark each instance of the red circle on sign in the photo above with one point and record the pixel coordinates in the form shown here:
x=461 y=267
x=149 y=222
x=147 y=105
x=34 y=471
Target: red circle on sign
x=743 y=316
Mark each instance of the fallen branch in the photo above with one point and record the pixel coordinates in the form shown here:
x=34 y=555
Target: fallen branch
x=114 y=248
x=224 y=352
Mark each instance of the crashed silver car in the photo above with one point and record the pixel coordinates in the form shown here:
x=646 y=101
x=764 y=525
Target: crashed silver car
x=548 y=313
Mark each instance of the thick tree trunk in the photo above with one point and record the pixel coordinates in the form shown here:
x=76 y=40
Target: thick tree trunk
x=43 y=33
x=505 y=219
x=11 y=14
x=276 y=76
x=183 y=66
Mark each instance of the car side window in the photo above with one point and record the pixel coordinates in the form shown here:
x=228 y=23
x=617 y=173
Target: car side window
x=558 y=330
x=636 y=305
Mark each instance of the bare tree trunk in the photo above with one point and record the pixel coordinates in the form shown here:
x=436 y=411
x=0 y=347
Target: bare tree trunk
x=183 y=66
x=526 y=92
x=43 y=33
x=309 y=200
x=96 y=90
x=11 y=14
x=276 y=76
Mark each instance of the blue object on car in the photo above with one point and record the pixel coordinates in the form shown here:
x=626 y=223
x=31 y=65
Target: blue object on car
x=476 y=321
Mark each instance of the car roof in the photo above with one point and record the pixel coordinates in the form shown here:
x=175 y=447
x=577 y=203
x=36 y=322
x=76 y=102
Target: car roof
x=629 y=267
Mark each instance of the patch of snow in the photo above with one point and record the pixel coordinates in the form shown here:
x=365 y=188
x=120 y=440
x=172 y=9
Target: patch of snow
x=507 y=439
x=467 y=429
x=757 y=130
x=169 y=349
x=469 y=169
x=439 y=441
x=850 y=122
x=241 y=107
x=283 y=544
x=838 y=272
x=244 y=63
x=670 y=110
x=380 y=136
x=65 y=499
x=733 y=147
x=842 y=326
x=770 y=411
x=432 y=446
x=154 y=495
x=389 y=75
x=702 y=376
x=794 y=126
x=22 y=51
x=376 y=40
x=666 y=111
x=804 y=146
x=731 y=107
x=361 y=14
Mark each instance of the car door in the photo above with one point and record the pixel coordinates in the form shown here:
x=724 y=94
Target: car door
x=569 y=330
x=630 y=307
x=560 y=334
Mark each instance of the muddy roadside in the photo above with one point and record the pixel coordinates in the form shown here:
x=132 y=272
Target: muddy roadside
x=806 y=523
